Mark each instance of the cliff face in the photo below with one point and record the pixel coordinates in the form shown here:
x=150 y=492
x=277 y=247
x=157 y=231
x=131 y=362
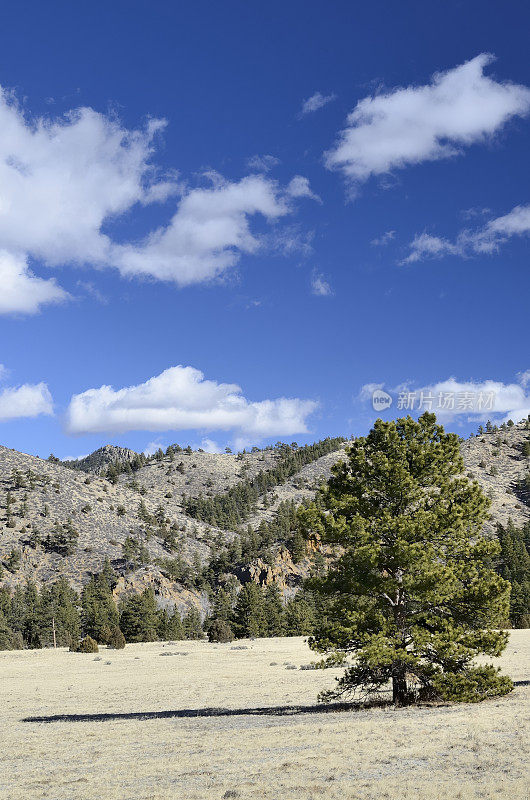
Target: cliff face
x=283 y=572
x=60 y=521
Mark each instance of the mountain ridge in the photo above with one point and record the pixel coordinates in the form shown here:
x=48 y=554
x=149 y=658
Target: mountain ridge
x=64 y=519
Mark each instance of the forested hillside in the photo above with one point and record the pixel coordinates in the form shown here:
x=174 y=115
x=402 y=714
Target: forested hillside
x=173 y=538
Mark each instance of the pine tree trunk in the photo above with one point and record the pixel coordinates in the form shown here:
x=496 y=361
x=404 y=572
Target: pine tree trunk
x=399 y=686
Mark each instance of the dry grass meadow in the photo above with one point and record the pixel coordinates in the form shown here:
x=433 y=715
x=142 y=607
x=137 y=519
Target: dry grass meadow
x=139 y=752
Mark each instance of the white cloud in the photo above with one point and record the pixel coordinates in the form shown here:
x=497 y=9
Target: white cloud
x=208 y=233
x=487 y=239
x=367 y=390
x=22 y=292
x=425 y=123
x=489 y=398
x=181 y=399
x=299 y=187
x=384 y=239
x=62 y=180
x=262 y=163
x=152 y=448
x=319 y=285
x=91 y=290
x=524 y=378
x=28 y=400
x=75 y=458
x=316 y=101
x=209 y=446
x=497 y=231
x=425 y=246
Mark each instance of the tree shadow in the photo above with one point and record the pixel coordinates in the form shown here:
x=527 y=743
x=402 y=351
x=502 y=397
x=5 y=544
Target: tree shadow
x=265 y=711
x=193 y=713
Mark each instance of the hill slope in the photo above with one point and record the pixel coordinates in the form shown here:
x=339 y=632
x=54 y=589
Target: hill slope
x=65 y=519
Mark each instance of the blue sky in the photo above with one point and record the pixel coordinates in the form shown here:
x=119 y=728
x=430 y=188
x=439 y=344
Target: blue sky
x=337 y=199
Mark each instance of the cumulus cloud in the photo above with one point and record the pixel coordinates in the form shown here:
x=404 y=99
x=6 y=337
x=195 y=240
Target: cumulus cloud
x=22 y=291
x=452 y=399
x=180 y=398
x=486 y=239
x=62 y=180
x=299 y=187
x=316 y=101
x=406 y=126
x=207 y=234
x=319 y=285
x=28 y=400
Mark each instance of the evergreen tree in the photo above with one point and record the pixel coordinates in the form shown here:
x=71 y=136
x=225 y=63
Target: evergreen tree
x=222 y=605
x=9 y=640
x=99 y=614
x=413 y=596
x=274 y=611
x=249 y=614
x=192 y=625
x=299 y=615
x=220 y=631
x=31 y=631
x=297 y=546
x=514 y=566
x=139 y=617
x=58 y=610
x=175 y=628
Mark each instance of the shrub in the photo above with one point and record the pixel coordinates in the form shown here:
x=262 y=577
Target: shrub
x=86 y=645
x=117 y=639
x=220 y=631
x=472 y=685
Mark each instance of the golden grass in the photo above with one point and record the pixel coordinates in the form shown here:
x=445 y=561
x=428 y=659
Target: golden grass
x=477 y=751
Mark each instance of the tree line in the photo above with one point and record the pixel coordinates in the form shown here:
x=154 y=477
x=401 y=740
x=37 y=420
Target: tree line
x=230 y=509
x=57 y=614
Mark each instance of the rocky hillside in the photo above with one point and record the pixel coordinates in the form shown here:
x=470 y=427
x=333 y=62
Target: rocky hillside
x=498 y=460
x=65 y=519
x=98 y=461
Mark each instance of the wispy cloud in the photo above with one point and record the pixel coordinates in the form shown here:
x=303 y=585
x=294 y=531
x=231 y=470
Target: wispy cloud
x=406 y=126
x=487 y=239
x=319 y=285
x=90 y=289
x=384 y=239
x=262 y=163
x=316 y=101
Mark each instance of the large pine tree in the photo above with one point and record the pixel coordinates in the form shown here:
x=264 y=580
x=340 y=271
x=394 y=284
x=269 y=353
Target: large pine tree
x=413 y=594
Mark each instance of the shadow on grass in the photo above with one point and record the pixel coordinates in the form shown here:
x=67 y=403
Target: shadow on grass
x=265 y=711
x=192 y=713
